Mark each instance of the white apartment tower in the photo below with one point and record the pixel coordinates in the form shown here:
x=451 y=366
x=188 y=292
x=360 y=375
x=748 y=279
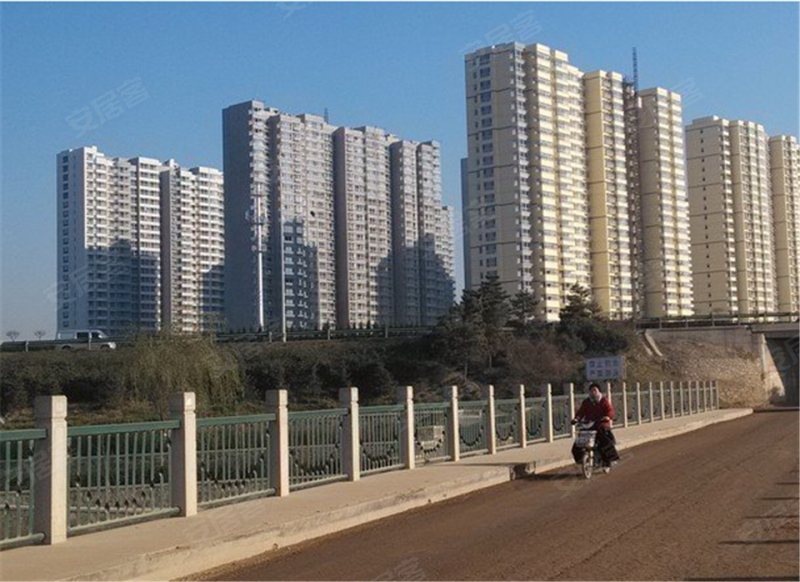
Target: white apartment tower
x=784 y=155
x=664 y=266
x=280 y=270
x=422 y=235
x=310 y=220
x=111 y=243
x=607 y=183
x=364 y=257
x=526 y=196
x=192 y=248
x=731 y=217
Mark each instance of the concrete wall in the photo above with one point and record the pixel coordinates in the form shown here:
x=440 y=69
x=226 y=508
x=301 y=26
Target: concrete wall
x=776 y=358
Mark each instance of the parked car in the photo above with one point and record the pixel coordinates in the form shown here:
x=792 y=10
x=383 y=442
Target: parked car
x=84 y=339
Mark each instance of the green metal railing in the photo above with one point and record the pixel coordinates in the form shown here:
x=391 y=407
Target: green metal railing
x=233 y=458
x=381 y=431
x=647 y=404
x=562 y=416
x=506 y=414
x=685 y=400
x=657 y=402
x=118 y=474
x=472 y=427
x=315 y=447
x=536 y=418
x=668 y=404
x=18 y=478
x=633 y=407
x=431 y=442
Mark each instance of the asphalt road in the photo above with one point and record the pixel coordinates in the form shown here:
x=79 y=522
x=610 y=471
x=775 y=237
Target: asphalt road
x=717 y=504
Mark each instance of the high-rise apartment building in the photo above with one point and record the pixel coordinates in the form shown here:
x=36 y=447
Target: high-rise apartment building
x=731 y=216
x=784 y=156
x=574 y=178
x=664 y=271
x=109 y=243
x=527 y=202
x=607 y=183
x=422 y=235
x=280 y=256
x=111 y=271
x=364 y=258
x=310 y=221
x=192 y=248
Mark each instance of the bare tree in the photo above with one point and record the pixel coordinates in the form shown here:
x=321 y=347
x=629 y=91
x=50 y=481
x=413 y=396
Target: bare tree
x=12 y=334
x=39 y=333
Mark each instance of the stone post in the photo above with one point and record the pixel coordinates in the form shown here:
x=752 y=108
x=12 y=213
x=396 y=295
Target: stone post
x=549 y=408
x=639 y=403
x=453 y=436
x=661 y=398
x=50 y=469
x=405 y=396
x=652 y=407
x=624 y=405
x=672 y=399
x=491 y=420
x=681 y=396
x=351 y=440
x=183 y=453
x=522 y=421
x=277 y=404
x=572 y=408
x=716 y=394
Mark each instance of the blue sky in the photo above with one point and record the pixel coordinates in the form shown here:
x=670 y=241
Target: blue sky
x=397 y=66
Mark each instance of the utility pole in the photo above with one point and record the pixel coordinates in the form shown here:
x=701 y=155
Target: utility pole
x=257 y=219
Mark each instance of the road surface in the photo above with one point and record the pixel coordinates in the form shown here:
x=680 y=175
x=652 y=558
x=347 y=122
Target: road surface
x=717 y=504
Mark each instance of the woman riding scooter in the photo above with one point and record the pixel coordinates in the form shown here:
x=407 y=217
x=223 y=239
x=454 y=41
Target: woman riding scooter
x=598 y=409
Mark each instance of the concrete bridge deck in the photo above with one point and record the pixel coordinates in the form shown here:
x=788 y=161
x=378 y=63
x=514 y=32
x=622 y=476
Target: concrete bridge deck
x=179 y=547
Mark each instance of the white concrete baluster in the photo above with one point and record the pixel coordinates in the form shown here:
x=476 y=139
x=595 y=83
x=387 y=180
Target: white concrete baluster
x=405 y=397
x=277 y=404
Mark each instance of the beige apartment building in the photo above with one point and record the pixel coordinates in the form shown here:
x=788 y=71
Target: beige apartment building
x=607 y=184
x=731 y=216
x=665 y=265
x=192 y=248
x=526 y=202
x=574 y=178
x=784 y=155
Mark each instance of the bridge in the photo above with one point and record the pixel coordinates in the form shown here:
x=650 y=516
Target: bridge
x=772 y=338
x=203 y=492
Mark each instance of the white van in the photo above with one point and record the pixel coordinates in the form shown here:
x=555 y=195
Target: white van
x=83 y=339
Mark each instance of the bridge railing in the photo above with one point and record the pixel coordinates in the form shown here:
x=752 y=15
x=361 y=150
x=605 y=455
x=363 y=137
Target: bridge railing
x=17 y=499
x=118 y=473
x=718 y=320
x=59 y=481
x=233 y=460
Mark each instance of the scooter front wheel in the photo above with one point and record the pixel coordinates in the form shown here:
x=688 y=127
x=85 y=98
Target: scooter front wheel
x=587 y=465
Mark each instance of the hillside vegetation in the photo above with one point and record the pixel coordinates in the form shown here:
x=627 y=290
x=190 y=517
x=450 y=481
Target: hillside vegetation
x=487 y=338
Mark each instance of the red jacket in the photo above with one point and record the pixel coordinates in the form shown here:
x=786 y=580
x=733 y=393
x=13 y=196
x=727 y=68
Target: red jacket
x=590 y=410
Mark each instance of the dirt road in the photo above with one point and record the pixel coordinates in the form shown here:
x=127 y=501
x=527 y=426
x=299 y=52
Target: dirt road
x=717 y=504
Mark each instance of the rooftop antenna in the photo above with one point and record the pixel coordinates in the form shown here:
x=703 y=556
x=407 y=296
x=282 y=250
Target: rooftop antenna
x=635 y=71
x=327 y=118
